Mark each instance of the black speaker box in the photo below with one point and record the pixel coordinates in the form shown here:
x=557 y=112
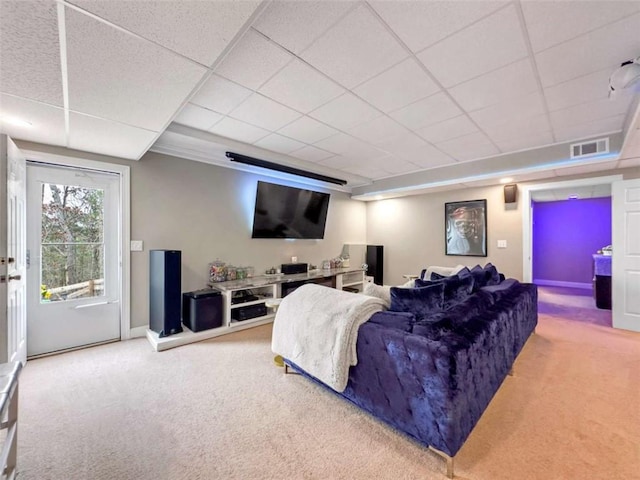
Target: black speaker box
x=202 y=309
x=510 y=193
x=165 y=291
x=375 y=260
x=291 y=268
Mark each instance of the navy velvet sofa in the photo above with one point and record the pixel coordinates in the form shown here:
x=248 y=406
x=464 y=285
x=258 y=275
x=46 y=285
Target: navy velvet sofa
x=431 y=374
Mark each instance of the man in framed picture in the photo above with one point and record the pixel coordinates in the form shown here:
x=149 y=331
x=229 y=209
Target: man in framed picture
x=466 y=230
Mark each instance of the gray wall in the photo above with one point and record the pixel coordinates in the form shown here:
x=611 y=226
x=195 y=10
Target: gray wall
x=412 y=232
x=205 y=211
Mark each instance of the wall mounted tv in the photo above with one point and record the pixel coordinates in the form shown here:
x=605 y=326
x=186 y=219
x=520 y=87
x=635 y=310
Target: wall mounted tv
x=288 y=212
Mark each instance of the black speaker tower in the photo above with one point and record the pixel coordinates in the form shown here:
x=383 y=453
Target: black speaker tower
x=165 y=292
x=375 y=259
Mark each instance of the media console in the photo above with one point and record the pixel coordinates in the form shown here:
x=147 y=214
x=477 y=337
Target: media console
x=244 y=301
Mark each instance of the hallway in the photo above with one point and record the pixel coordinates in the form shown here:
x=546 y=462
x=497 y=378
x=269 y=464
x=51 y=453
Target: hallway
x=572 y=304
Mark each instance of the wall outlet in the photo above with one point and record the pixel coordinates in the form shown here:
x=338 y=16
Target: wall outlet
x=137 y=246
x=294 y=259
x=502 y=244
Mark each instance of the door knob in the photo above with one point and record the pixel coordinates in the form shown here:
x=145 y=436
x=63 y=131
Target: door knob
x=15 y=277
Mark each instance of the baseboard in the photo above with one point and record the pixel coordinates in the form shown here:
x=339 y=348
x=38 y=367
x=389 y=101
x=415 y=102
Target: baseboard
x=138 y=332
x=558 y=283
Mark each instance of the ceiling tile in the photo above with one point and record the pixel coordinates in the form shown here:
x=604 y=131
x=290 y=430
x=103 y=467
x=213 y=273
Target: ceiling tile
x=264 y=112
x=356 y=49
x=508 y=82
x=420 y=24
x=448 y=129
x=311 y=154
x=586 y=112
x=426 y=156
x=367 y=171
x=600 y=49
x=589 y=129
x=92 y=134
x=528 y=105
x=345 y=112
x=378 y=130
x=279 y=143
x=295 y=25
x=301 y=87
x=579 y=90
x=30 y=51
x=550 y=23
x=491 y=43
x=395 y=165
x=237 y=130
x=428 y=111
x=47 y=122
x=253 y=61
x=342 y=163
x=346 y=145
x=408 y=141
x=197 y=117
x=525 y=141
x=201 y=32
x=398 y=86
x=469 y=147
x=220 y=94
x=517 y=128
x=307 y=130
x=143 y=85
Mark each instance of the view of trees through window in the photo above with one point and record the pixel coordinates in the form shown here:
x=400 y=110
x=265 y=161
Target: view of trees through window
x=72 y=264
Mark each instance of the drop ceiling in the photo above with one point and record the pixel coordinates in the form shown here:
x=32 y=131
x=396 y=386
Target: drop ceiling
x=392 y=96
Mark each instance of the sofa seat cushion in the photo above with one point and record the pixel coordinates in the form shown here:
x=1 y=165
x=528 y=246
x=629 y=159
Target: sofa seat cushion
x=456 y=289
x=420 y=301
x=401 y=320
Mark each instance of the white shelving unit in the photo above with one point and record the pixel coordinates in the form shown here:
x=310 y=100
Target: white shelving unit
x=265 y=288
x=350 y=280
x=264 y=293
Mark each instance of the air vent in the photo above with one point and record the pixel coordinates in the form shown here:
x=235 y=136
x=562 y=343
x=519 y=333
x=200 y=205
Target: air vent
x=592 y=147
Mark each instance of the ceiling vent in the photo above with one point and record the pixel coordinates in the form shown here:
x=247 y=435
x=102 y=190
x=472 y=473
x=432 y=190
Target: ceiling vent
x=592 y=147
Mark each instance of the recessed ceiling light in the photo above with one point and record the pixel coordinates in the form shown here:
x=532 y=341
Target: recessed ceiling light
x=506 y=180
x=18 y=122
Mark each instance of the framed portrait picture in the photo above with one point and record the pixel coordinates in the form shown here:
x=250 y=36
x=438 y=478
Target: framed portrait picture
x=466 y=228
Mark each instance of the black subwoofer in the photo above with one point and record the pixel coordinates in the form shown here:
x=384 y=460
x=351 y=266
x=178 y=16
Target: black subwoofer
x=375 y=260
x=165 y=287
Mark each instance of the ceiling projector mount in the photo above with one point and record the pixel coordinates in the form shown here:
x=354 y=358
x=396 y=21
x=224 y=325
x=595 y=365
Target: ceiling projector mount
x=626 y=76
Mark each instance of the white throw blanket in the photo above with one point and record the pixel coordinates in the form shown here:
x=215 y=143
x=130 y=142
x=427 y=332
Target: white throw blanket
x=316 y=328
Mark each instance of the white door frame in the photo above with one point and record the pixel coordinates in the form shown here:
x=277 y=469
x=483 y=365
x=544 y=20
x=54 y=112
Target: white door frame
x=527 y=230
x=124 y=220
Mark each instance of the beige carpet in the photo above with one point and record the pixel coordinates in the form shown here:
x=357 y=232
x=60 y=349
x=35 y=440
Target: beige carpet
x=220 y=409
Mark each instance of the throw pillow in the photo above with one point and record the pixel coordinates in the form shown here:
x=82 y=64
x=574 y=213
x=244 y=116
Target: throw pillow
x=419 y=301
x=480 y=276
x=493 y=277
x=378 y=291
x=456 y=289
x=502 y=289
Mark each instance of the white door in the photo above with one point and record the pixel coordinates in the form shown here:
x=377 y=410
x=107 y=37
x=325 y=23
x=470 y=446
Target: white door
x=74 y=258
x=12 y=252
x=626 y=255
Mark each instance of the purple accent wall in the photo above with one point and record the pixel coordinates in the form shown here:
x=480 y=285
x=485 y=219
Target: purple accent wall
x=565 y=236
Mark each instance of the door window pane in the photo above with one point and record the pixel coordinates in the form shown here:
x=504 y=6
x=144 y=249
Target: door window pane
x=72 y=245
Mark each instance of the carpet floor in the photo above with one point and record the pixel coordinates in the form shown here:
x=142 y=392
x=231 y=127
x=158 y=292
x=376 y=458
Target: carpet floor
x=220 y=409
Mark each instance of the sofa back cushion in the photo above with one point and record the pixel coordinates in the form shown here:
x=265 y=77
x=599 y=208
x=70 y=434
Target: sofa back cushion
x=456 y=289
x=492 y=275
x=419 y=301
x=507 y=287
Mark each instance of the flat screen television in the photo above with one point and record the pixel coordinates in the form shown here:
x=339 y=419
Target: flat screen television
x=288 y=212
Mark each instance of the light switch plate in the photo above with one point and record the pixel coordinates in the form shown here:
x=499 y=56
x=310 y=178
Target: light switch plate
x=502 y=244
x=137 y=246
x=294 y=259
